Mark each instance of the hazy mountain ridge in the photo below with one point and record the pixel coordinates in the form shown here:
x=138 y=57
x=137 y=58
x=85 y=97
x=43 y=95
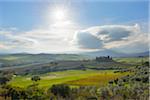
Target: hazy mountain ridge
x=115 y=54
x=24 y=58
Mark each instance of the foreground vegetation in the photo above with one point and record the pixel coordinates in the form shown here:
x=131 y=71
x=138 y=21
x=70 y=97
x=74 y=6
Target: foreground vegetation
x=128 y=83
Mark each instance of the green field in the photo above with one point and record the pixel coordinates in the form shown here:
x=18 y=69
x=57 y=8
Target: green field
x=132 y=60
x=71 y=77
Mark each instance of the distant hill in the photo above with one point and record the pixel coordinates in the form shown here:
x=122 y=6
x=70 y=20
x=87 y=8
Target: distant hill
x=139 y=54
x=104 y=53
x=25 y=58
x=42 y=56
x=115 y=54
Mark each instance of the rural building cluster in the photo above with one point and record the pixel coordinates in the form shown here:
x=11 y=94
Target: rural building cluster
x=104 y=58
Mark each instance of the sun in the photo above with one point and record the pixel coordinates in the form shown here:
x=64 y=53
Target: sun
x=59 y=14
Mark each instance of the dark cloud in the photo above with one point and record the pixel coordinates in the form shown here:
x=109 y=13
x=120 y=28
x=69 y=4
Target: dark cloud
x=114 y=32
x=87 y=40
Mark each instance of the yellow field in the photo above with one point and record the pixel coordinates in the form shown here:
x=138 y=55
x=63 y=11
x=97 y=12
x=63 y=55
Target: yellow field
x=101 y=79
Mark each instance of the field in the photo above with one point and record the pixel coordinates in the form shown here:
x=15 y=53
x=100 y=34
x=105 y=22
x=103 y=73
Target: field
x=74 y=73
x=132 y=60
x=101 y=79
x=71 y=77
x=77 y=79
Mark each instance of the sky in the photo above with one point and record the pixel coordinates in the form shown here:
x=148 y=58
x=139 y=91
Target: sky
x=67 y=26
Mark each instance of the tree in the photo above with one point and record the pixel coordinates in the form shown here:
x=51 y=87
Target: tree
x=146 y=63
x=35 y=93
x=35 y=78
x=3 y=80
x=61 y=90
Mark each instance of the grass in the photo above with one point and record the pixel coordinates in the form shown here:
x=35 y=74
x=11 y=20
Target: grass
x=71 y=77
x=10 y=58
x=132 y=60
x=100 y=79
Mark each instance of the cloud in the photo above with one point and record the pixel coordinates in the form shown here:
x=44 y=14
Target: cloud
x=123 y=38
x=2 y=46
x=10 y=41
x=116 y=37
x=87 y=40
x=56 y=38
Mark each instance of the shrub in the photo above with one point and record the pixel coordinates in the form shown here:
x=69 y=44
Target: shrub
x=3 y=80
x=61 y=90
x=35 y=78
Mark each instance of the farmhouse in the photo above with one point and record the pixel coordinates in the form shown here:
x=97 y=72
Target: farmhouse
x=103 y=58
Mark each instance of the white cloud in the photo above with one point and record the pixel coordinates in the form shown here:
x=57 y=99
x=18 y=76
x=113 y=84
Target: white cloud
x=117 y=37
x=59 y=39
x=55 y=38
x=9 y=40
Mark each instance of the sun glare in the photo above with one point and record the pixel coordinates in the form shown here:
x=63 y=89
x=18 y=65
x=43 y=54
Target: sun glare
x=59 y=14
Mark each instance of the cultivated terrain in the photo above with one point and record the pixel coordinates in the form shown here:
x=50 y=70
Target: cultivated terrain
x=73 y=77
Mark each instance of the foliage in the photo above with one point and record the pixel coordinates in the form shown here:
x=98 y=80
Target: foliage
x=35 y=93
x=129 y=87
x=61 y=90
x=35 y=78
x=4 y=80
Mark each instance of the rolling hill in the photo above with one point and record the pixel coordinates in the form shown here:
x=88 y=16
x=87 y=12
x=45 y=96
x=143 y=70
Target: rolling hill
x=115 y=53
